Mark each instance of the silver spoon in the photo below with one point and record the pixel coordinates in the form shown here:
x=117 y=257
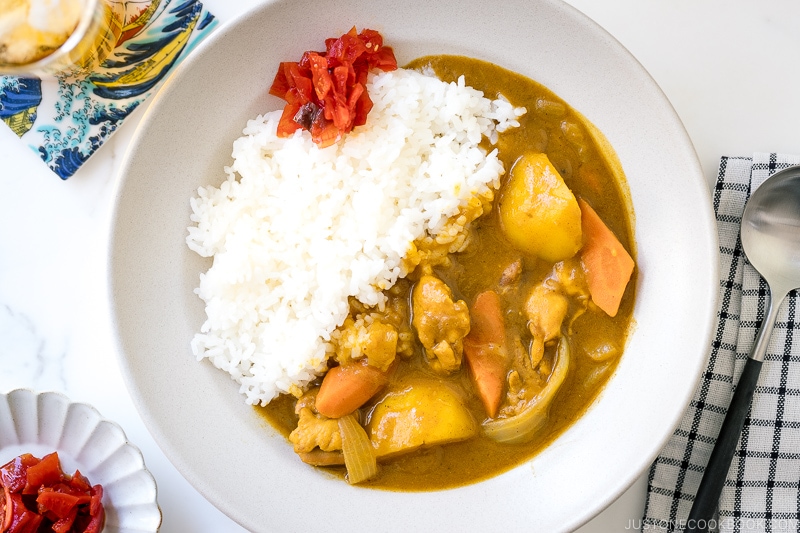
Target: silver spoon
x=771 y=240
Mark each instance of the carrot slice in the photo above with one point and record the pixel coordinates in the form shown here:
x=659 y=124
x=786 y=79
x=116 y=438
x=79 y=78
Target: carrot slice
x=345 y=388
x=487 y=366
x=607 y=264
x=486 y=316
x=485 y=350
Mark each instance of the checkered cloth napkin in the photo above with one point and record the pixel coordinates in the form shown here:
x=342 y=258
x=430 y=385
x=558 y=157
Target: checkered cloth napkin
x=762 y=490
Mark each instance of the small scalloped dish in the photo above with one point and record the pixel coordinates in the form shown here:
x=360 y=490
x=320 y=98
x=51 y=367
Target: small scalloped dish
x=40 y=423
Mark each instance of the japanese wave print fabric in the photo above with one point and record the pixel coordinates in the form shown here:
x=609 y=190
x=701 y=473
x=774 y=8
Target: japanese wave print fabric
x=66 y=119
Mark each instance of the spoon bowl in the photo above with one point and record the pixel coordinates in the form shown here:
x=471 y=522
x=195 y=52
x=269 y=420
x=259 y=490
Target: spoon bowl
x=771 y=230
x=770 y=233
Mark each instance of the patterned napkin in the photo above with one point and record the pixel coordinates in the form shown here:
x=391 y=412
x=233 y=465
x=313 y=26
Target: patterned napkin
x=762 y=491
x=66 y=119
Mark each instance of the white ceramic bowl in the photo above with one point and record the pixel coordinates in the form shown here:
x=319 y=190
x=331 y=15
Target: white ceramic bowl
x=238 y=461
x=41 y=423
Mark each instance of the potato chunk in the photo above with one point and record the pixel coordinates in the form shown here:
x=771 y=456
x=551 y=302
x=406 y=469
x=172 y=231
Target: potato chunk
x=424 y=413
x=538 y=212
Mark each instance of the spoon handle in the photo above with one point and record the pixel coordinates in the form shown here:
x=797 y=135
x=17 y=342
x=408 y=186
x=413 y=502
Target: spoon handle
x=707 y=498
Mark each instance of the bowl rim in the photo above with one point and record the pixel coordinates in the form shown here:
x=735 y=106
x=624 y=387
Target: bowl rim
x=709 y=272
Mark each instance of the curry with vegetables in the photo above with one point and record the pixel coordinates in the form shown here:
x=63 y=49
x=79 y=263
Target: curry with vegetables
x=501 y=336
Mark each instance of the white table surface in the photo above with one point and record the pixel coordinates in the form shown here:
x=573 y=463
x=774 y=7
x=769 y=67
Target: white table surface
x=727 y=66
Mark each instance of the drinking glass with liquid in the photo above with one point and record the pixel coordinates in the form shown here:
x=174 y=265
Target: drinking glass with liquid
x=51 y=37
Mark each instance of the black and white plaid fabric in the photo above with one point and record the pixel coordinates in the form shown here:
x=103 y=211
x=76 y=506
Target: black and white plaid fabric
x=762 y=491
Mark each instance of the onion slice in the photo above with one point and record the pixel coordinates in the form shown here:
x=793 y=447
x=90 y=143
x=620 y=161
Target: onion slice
x=359 y=457
x=519 y=428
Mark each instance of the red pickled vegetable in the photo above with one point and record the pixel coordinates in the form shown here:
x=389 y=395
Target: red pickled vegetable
x=7 y=509
x=44 y=473
x=14 y=474
x=63 y=525
x=23 y=520
x=60 y=504
x=325 y=92
x=96 y=511
x=79 y=482
x=38 y=497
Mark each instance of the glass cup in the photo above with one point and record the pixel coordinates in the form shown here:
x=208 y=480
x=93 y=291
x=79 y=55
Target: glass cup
x=55 y=37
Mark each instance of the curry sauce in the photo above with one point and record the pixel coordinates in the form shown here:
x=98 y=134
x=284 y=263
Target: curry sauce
x=490 y=261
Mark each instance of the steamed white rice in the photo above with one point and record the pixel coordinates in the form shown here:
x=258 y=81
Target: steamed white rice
x=295 y=230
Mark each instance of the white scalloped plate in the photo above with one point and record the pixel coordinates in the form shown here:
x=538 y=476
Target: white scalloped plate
x=45 y=422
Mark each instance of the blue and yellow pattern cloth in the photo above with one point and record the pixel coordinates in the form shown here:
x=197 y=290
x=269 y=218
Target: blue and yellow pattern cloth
x=65 y=119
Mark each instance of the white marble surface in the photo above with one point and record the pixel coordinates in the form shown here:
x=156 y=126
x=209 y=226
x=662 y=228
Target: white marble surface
x=727 y=66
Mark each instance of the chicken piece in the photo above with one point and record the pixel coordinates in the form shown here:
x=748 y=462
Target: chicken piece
x=441 y=323
x=546 y=309
x=524 y=379
x=367 y=336
x=521 y=362
x=313 y=429
x=317 y=457
x=511 y=273
x=571 y=278
x=381 y=345
x=398 y=314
